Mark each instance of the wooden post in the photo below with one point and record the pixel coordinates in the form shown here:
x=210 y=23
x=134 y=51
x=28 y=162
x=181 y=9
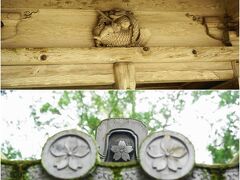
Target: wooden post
x=235 y=67
x=125 y=77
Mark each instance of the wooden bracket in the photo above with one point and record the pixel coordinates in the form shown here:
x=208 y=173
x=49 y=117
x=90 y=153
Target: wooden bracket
x=9 y=23
x=125 y=77
x=215 y=27
x=11 y=19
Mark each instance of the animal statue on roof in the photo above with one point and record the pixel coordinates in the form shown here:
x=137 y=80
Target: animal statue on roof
x=118 y=28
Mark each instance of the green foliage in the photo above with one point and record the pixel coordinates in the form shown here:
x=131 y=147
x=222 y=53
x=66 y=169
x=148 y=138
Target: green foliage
x=64 y=100
x=225 y=144
x=198 y=94
x=9 y=151
x=93 y=106
x=48 y=107
x=224 y=152
x=39 y=124
x=228 y=98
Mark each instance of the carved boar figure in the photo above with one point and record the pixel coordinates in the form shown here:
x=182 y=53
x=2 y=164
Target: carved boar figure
x=118 y=28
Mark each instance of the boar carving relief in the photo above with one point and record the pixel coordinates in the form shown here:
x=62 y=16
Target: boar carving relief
x=119 y=28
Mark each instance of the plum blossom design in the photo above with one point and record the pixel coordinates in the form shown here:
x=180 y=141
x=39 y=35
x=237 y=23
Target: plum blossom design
x=68 y=152
x=166 y=155
x=121 y=151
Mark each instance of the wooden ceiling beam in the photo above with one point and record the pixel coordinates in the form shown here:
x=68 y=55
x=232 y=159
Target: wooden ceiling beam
x=210 y=6
x=124 y=67
x=100 y=75
x=44 y=56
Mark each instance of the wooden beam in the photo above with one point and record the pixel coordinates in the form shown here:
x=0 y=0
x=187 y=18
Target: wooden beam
x=183 y=76
x=208 y=6
x=184 y=66
x=100 y=74
x=230 y=84
x=200 y=85
x=43 y=56
x=73 y=28
x=90 y=87
x=56 y=76
x=188 y=85
x=159 y=86
x=125 y=76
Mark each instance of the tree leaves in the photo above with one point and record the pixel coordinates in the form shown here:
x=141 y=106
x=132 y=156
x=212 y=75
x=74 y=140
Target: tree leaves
x=93 y=106
x=225 y=97
x=64 y=100
x=224 y=152
x=9 y=151
x=198 y=94
x=229 y=97
x=48 y=107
